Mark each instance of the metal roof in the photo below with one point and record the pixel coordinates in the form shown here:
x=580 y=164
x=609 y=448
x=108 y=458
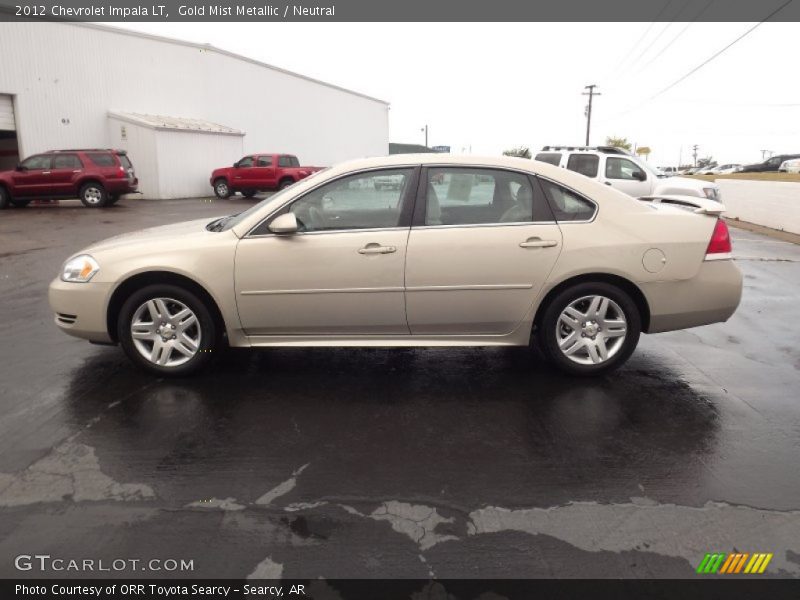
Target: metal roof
x=165 y=123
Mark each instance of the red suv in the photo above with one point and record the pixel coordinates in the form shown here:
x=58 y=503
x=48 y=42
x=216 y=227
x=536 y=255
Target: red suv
x=97 y=177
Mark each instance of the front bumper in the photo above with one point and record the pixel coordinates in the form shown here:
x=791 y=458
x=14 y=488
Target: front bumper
x=711 y=296
x=80 y=308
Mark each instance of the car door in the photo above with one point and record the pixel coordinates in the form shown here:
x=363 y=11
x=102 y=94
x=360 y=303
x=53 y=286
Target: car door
x=243 y=174
x=32 y=178
x=264 y=172
x=482 y=246
x=63 y=173
x=341 y=273
x=625 y=175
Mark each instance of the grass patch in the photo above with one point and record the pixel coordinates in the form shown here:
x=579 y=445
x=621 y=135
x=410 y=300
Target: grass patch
x=750 y=176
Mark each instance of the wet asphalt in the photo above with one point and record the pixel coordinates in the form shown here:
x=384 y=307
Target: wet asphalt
x=309 y=463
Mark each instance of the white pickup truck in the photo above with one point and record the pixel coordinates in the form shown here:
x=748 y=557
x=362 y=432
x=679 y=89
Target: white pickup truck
x=622 y=171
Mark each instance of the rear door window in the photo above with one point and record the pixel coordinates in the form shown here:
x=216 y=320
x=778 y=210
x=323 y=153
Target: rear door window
x=554 y=158
x=288 y=161
x=585 y=164
x=66 y=161
x=264 y=161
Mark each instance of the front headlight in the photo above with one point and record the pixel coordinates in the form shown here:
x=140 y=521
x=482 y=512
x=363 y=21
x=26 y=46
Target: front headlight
x=711 y=193
x=79 y=269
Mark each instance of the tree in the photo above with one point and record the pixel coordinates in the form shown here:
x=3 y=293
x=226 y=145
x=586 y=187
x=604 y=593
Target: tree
x=644 y=151
x=521 y=151
x=708 y=161
x=618 y=142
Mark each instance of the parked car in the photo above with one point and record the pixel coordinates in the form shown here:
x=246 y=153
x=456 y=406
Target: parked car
x=99 y=177
x=790 y=166
x=502 y=249
x=771 y=164
x=258 y=173
x=727 y=169
x=616 y=168
x=706 y=170
x=669 y=171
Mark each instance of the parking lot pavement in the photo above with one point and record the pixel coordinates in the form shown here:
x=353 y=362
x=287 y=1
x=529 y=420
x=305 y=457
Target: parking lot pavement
x=395 y=463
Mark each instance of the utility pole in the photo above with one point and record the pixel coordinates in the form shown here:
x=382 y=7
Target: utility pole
x=425 y=129
x=694 y=153
x=591 y=93
x=764 y=154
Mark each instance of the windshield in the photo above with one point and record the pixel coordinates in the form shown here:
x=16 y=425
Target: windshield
x=226 y=223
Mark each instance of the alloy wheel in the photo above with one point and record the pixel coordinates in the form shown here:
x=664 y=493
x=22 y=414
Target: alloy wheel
x=591 y=330
x=166 y=332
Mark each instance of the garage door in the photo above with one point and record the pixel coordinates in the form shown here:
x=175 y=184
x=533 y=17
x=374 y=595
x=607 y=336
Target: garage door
x=7 y=122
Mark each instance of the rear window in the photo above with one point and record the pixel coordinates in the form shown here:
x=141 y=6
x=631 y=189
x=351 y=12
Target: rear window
x=103 y=159
x=554 y=158
x=66 y=161
x=126 y=162
x=585 y=164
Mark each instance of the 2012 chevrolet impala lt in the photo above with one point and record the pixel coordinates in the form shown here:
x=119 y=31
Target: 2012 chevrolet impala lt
x=457 y=251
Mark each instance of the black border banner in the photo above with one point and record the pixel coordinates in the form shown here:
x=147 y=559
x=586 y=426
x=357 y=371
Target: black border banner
x=709 y=588
x=402 y=10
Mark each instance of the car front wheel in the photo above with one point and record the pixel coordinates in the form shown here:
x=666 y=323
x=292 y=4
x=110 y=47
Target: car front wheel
x=589 y=329
x=167 y=330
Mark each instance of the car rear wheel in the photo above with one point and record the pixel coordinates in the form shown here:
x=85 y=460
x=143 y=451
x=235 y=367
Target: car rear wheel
x=589 y=329
x=167 y=330
x=248 y=193
x=221 y=189
x=93 y=195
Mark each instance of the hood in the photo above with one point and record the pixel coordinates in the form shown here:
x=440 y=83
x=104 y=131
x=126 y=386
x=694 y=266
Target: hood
x=154 y=236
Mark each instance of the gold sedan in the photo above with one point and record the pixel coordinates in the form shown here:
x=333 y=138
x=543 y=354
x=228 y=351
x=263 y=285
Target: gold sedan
x=458 y=251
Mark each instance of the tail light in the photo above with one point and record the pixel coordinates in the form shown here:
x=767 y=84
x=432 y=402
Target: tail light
x=719 y=248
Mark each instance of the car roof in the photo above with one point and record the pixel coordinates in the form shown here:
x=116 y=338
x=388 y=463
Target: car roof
x=112 y=150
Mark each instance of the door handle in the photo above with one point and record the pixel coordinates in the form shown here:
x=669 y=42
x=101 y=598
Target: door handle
x=377 y=249
x=538 y=243
x=607 y=183
x=45 y=172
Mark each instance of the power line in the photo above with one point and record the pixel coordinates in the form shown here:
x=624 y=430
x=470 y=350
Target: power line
x=705 y=62
x=708 y=60
x=639 y=41
x=680 y=33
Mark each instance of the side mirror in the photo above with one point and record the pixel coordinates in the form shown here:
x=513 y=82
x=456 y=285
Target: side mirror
x=236 y=165
x=20 y=167
x=639 y=175
x=285 y=223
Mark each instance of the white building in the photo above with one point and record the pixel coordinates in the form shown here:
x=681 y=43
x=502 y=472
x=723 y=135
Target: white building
x=179 y=108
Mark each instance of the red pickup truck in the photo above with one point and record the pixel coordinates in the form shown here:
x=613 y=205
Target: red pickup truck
x=259 y=172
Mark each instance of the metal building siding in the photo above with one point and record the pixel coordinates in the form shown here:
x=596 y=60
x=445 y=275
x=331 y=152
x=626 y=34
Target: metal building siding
x=62 y=97
x=7 y=122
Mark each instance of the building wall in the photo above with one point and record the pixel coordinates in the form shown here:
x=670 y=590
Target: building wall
x=66 y=77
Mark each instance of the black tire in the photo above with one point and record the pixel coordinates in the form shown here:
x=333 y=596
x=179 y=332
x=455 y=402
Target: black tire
x=550 y=328
x=248 y=193
x=93 y=195
x=221 y=189
x=285 y=183
x=19 y=202
x=5 y=198
x=113 y=199
x=207 y=333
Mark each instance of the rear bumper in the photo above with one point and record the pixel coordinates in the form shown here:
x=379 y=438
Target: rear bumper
x=711 y=296
x=122 y=186
x=80 y=308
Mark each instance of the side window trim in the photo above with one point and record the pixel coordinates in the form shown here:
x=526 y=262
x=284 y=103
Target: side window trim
x=404 y=220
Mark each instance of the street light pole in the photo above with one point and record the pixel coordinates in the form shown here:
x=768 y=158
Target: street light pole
x=425 y=129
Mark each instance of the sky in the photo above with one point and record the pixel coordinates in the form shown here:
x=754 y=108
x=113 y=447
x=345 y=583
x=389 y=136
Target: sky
x=485 y=87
